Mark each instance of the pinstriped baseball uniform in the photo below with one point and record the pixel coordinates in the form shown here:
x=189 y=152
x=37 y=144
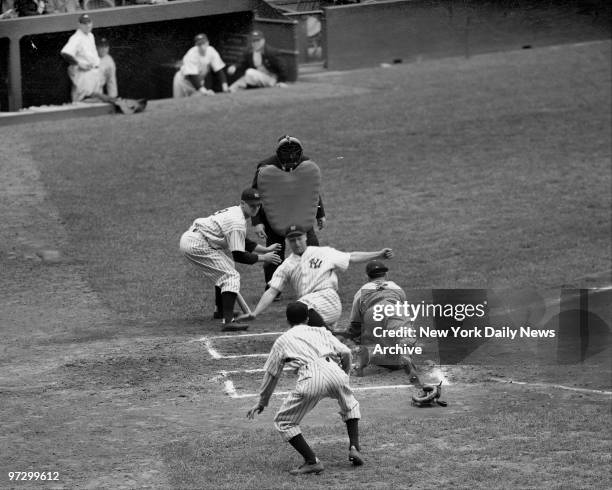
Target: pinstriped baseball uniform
x=207 y=240
x=312 y=352
x=314 y=279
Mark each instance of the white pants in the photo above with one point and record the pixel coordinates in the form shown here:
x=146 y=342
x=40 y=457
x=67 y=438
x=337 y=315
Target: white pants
x=215 y=264
x=181 y=87
x=326 y=303
x=320 y=379
x=254 y=78
x=84 y=83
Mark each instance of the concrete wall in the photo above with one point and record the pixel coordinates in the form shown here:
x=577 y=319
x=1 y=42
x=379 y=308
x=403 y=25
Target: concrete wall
x=406 y=30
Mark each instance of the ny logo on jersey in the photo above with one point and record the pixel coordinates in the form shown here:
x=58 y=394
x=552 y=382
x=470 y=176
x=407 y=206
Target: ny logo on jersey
x=315 y=263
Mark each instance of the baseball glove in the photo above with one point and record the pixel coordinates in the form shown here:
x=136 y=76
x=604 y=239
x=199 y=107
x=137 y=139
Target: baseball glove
x=428 y=396
x=130 y=106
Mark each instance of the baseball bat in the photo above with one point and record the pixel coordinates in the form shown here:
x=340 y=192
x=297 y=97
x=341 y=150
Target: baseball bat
x=243 y=304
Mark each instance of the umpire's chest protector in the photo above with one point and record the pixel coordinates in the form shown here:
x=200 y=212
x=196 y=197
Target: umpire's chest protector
x=290 y=198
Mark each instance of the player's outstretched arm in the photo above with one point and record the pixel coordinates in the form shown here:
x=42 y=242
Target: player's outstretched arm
x=260 y=249
x=268 y=385
x=360 y=257
x=266 y=300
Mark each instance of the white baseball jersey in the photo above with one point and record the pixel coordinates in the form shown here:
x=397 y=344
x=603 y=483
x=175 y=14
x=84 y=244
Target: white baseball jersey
x=313 y=352
x=82 y=47
x=196 y=64
x=225 y=229
x=207 y=239
x=312 y=275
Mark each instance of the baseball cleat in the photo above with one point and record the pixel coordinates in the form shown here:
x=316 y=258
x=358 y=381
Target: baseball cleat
x=234 y=327
x=355 y=456
x=308 y=468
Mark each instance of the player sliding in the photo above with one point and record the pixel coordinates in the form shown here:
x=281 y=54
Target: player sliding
x=314 y=353
x=311 y=271
x=206 y=240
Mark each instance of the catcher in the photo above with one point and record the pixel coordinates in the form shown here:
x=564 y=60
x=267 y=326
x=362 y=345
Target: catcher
x=378 y=290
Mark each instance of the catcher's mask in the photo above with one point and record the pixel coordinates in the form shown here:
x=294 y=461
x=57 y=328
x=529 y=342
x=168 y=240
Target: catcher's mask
x=289 y=151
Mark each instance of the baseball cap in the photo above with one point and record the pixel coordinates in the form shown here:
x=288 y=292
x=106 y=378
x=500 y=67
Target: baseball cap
x=376 y=267
x=85 y=19
x=294 y=230
x=297 y=312
x=256 y=35
x=102 y=42
x=251 y=196
x=200 y=39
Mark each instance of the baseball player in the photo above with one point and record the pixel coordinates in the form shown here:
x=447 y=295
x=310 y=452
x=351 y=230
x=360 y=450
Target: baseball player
x=378 y=290
x=108 y=69
x=288 y=156
x=81 y=54
x=197 y=63
x=311 y=271
x=260 y=66
x=315 y=355
x=206 y=240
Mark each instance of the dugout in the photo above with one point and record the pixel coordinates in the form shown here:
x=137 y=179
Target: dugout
x=146 y=41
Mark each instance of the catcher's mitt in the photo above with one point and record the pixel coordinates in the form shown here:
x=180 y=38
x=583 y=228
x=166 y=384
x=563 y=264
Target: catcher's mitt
x=428 y=396
x=130 y=106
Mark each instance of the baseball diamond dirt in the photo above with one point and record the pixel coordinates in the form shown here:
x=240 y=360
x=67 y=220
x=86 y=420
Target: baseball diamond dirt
x=489 y=175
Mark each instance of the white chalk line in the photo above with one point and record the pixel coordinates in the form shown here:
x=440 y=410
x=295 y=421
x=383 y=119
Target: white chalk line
x=216 y=355
x=234 y=394
x=237 y=336
x=551 y=385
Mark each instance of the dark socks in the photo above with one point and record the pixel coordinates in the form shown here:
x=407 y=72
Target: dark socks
x=352 y=427
x=228 y=300
x=301 y=446
x=218 y=300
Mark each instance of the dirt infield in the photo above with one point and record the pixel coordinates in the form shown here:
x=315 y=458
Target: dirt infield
x=106 y=370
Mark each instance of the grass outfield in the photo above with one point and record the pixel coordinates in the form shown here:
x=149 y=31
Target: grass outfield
x=488 y=172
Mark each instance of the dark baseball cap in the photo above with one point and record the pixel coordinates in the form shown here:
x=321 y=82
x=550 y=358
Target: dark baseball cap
x=85 y=19
x=297 y=313
x=251 y=196
x=256 y=35
x=375 y=268
x=294 y=230
x=200 y=39
x=102 y=42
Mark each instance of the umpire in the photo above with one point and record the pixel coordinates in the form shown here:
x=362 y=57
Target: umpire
x=289 y=155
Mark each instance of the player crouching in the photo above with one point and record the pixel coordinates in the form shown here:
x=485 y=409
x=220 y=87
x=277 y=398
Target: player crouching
x=206 y=242
x=314 y=353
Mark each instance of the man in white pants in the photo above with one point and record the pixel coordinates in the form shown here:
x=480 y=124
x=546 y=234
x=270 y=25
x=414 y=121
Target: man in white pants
x=315 y=354
x=207 y=240
x=311 y=271
x=81 y=54
x=201 y=59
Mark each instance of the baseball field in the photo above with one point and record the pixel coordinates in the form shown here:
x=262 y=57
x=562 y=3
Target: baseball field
x=492 y=172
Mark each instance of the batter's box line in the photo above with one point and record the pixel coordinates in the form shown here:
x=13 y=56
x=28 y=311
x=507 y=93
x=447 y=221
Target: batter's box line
x=231 y=391
x=207 y=341
x=552 y=385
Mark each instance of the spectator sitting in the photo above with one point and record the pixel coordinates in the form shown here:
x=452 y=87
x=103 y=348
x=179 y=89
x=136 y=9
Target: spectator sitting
x=108 y=70
x=29 y=7
x=260 y=66
x=62 y=6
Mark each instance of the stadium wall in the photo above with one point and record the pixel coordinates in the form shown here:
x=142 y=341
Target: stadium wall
x=369 y=34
